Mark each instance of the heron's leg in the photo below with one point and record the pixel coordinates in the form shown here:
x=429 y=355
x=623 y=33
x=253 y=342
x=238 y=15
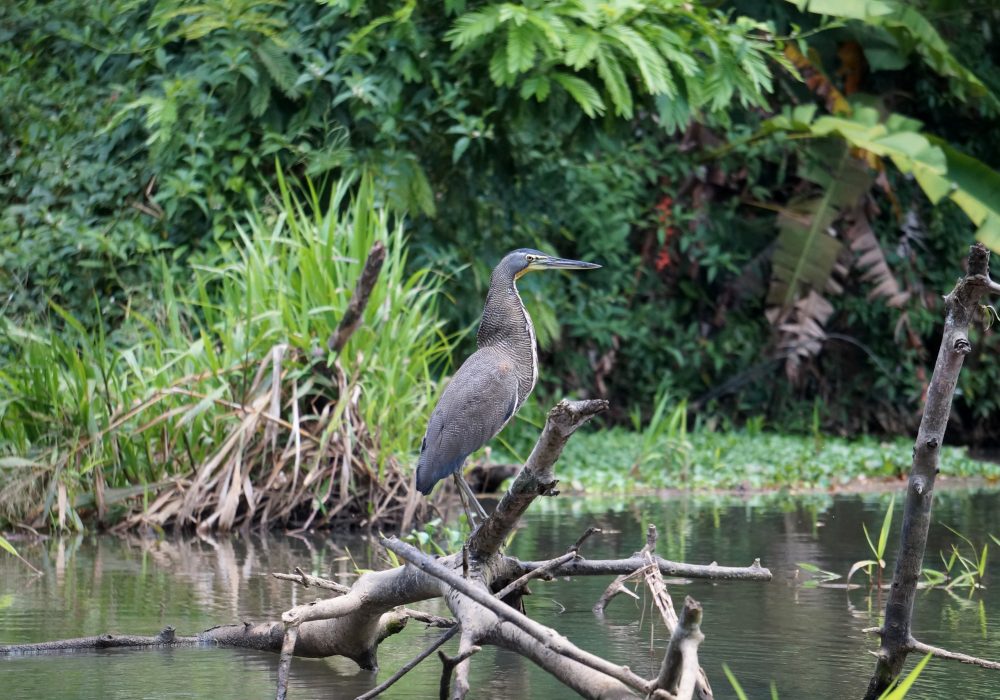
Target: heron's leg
x=463 y=497
x=464 y=487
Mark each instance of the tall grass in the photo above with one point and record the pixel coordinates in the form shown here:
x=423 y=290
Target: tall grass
x=225 y=407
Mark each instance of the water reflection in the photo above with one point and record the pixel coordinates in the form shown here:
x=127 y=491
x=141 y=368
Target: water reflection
x=807 y=640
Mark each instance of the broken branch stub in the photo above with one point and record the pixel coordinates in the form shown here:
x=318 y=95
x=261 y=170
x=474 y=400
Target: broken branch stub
x=680 y=672
x=536 y=478
x=359 y=300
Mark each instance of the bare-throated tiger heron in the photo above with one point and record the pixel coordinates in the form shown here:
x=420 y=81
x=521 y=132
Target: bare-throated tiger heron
x=493 y=383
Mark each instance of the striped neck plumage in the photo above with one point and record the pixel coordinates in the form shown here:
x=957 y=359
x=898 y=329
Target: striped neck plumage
x=505 y=320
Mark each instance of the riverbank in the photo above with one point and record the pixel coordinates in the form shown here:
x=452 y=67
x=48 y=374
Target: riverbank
x=745 y=461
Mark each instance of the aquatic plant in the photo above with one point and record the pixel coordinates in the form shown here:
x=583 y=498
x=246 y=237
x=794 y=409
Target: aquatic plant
x=878 y=550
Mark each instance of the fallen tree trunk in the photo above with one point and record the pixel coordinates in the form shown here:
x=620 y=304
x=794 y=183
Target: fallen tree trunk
x=473 y=581
x=481 y=585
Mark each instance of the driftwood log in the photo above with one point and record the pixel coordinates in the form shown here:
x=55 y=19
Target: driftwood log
x=961 y=307
x=482 y=587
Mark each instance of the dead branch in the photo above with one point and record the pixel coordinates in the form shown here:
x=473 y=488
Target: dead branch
x=307 y=580
x=285 y=660
x=626 y=567
x=922 y=648
x=540 y=634
x=683 y=681
x=166 y=637
x=537 y=478
x=356 y=306
x=961 y=306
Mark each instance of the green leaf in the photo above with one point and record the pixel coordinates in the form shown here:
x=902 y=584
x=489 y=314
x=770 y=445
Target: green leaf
x=14 y=462
x=883 y=535
x=520 y=48
x=613 y=76
x=581 y=91
x=537 y=86
x=899 y=692
x=279 y=66
x=805 y=253
x=653 y=69
x=459 y=148
x=737 y=688
x=472 y=26
x=4 y=544
x=581 y=48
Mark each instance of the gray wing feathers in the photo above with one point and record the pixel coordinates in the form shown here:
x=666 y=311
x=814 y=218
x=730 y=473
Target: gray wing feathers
x=479 y=400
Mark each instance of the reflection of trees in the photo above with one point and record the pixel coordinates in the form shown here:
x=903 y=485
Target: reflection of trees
x=105 y=582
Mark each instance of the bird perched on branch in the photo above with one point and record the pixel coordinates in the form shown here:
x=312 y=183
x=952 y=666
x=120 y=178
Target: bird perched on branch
x=493 y=383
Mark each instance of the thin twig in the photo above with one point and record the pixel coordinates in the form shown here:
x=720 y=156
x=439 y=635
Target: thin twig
x=548 y=567
x=307 y=580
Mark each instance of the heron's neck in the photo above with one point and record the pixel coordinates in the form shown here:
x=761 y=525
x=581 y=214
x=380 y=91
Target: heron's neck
x=507 y=326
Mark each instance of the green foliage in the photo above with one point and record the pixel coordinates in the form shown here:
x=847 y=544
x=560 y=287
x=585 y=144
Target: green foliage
x=940 y=169
x=223 y=380
x=437 y=538
x=139 y=133
x=663 y=440
x=652 y=45
x=903 y=30
x=600 y=462
x=971 y=565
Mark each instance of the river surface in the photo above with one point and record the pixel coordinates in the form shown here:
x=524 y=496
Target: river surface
x=807 y=641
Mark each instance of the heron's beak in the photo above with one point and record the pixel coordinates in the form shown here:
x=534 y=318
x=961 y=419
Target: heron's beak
x=564 y=264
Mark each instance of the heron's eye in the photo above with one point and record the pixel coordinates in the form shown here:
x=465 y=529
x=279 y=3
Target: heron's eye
x=532 y=258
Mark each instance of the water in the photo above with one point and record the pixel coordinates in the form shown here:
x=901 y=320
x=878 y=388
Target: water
x=808 y=641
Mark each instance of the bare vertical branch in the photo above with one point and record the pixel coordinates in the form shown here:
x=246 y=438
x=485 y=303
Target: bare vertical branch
x=961 y=305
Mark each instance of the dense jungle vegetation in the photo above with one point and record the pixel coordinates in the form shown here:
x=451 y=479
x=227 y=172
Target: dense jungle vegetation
x=779 y=193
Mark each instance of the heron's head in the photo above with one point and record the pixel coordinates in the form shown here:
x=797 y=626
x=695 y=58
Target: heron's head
x=525 y=260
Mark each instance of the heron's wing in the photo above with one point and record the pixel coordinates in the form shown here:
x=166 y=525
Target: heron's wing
x=479 y=400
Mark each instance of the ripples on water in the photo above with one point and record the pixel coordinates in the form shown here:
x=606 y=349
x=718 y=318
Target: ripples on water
x=806 y=640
